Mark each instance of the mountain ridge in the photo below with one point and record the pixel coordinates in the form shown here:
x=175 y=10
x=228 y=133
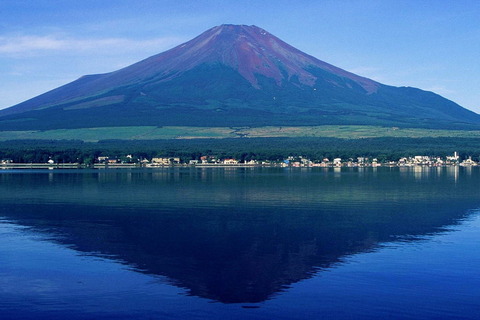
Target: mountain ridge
x=233 y=75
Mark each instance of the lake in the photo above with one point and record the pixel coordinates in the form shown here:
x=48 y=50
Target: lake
x=240 y=243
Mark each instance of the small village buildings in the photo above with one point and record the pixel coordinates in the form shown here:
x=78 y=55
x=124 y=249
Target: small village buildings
x=102 y=159
x=299 y=161
x=468 y=162
x=165 y=161
x=209 y=159
x=230 y=161
x=454 y=158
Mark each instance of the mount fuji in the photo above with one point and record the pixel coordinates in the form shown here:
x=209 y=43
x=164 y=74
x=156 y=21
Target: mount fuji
x=234 y=76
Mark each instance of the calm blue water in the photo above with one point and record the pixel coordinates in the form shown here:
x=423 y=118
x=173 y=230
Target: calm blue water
x=233 y=243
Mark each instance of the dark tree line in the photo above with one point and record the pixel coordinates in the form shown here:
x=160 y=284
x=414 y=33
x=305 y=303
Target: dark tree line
x=244 y=149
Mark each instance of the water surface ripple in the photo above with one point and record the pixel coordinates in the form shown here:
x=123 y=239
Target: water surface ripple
x=236 y=243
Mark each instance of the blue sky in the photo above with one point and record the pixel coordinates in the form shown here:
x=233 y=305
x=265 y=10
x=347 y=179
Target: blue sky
x=432 y=45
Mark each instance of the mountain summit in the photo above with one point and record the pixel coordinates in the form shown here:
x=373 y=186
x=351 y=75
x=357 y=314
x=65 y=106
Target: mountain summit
x=233 y=75
x=249 y=50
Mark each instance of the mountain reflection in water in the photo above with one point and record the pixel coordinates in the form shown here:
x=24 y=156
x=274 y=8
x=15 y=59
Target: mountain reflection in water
x=235 y=235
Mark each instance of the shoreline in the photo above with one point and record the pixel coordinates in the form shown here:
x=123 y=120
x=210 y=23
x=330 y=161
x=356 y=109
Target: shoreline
x=6 y=166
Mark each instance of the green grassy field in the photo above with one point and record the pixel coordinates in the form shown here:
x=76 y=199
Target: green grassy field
x=172 y=132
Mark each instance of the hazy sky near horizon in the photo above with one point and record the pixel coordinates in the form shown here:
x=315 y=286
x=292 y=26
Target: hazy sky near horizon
x=432 y=45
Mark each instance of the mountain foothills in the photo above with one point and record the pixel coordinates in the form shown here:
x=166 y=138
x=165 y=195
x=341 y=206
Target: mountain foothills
x=233 y=76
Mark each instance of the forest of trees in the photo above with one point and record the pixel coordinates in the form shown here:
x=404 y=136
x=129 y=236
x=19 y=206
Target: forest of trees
x=73 y=151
